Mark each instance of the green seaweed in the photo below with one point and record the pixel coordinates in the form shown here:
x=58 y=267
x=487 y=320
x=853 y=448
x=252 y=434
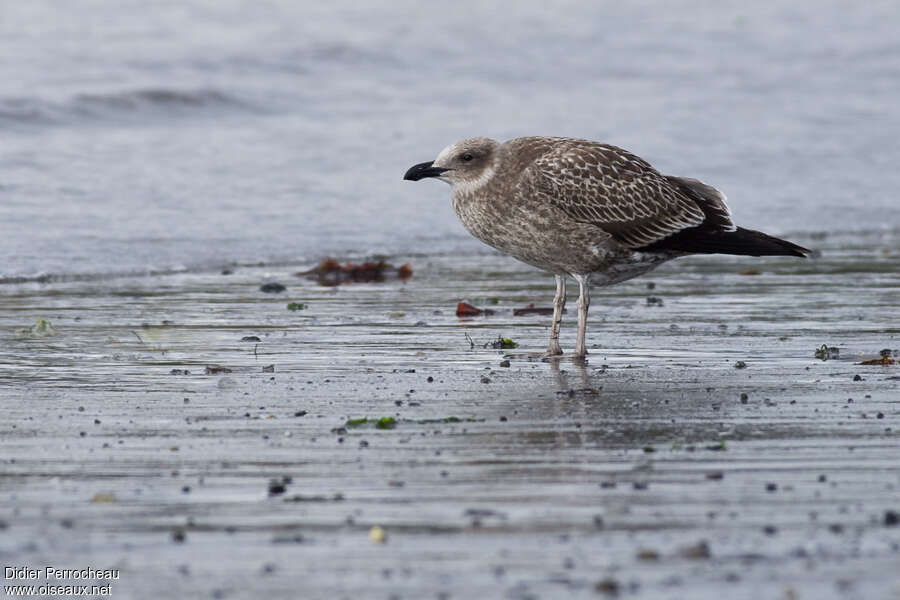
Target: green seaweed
x=382 y=423
x=506 y=343
x=41 y=328
x=295 y=306
x=386 y=423
x=824 y=352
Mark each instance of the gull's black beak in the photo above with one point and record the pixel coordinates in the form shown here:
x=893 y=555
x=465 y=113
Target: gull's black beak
x=423 y=170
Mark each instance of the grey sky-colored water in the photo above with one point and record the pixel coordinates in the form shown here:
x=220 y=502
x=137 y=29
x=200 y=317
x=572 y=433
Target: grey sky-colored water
x=193 y=134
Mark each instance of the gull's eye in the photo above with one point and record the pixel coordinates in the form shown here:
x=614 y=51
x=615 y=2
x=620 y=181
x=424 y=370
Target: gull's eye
x=467 y=157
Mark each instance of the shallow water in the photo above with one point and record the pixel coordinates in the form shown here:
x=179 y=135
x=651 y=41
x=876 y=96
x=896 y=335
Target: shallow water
x=197 y=134
x=556 y=476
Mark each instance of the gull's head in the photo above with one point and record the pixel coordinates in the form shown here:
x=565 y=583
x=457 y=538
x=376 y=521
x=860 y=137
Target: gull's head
x=466 y=165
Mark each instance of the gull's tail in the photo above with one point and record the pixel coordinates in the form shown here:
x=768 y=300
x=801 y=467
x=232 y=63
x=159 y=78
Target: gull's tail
x=746 y=242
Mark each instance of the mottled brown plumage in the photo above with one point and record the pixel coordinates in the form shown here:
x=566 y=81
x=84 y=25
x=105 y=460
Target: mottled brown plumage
x=585 y=209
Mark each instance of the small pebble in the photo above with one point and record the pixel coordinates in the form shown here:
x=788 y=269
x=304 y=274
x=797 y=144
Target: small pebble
x=697 y=551
x=377 y=535
x=272 y=288
x=608 y=586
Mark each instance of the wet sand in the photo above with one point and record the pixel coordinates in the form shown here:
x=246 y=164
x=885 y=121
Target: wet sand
x=658 y=469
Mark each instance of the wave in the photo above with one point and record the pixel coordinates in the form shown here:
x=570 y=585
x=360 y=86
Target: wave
x=31 y=111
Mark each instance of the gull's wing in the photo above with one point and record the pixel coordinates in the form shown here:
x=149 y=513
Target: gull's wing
x=620 y=193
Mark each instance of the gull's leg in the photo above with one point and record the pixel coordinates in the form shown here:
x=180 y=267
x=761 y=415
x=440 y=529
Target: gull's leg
x=584 y=301
x=559 y=303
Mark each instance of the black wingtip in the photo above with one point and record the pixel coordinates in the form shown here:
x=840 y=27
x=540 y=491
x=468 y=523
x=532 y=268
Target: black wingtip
x=769 y=245
x=743 y=242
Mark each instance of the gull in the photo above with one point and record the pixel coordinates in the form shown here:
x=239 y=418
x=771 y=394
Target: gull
x=588 y=210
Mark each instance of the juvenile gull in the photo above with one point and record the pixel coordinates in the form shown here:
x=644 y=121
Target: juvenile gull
x=589 y=210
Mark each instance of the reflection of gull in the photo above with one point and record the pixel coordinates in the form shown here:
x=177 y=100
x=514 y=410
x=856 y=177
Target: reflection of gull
x=589 y=210
x=561 y=379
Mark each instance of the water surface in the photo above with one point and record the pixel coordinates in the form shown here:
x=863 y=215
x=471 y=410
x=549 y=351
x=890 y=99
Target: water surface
x=196 y=134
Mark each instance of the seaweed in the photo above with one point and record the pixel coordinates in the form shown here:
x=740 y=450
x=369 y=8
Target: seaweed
x=464 y=309
x=826 y=352
x=504 y=343
x=386 y=423
x=330 y=272
x=382 y=423
x=41 y=328
x=882 y=361
x=531 y=309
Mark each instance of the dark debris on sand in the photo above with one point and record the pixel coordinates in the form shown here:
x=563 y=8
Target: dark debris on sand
x=464 y=309
x=272 y=288
x=531 y=309
x=331 y=272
